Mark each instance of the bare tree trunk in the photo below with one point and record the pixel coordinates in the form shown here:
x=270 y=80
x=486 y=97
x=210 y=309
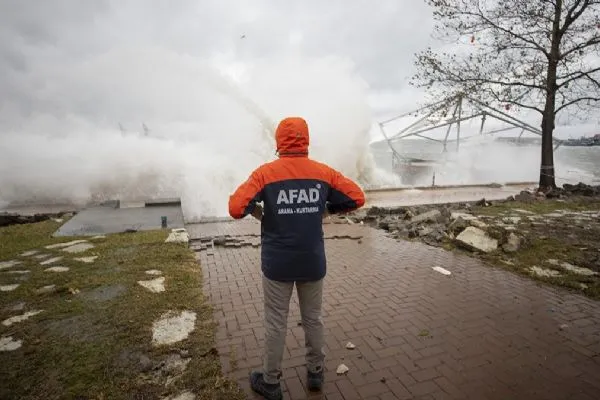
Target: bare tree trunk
x=547 y=179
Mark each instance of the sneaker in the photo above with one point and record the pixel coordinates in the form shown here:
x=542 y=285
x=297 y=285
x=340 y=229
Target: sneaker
x=315 y=380
x=268 y=391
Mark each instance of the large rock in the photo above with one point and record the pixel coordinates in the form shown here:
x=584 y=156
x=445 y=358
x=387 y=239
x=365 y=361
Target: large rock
x=478 y=224
x=429 y=216
x=458 y=225
x=581 y=189
x=465 y=216
x=376 y=211
x=476 y=239
x=387 y=224
x=525 y=197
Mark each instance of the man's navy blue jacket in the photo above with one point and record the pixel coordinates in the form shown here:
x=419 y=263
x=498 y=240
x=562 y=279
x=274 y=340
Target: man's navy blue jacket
x=295 y=191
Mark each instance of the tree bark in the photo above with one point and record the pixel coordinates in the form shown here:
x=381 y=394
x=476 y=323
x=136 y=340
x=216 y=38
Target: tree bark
x=547 y=178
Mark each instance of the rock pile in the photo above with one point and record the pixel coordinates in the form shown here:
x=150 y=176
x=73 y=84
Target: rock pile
x=455 y=223
x=581 y=189
x=7 y=219
x=438 y=224
x=447 y=223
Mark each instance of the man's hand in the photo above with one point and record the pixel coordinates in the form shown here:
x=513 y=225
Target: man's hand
x=326 y=213
x=257 y=212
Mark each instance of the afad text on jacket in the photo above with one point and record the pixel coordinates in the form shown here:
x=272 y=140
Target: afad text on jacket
x=295 y=191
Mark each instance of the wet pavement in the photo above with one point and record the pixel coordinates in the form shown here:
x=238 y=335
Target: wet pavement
x=478 y=333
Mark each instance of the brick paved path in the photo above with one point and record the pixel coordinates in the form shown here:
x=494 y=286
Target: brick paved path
x=481 y=333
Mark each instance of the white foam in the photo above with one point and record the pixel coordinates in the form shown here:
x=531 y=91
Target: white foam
x=199 y=119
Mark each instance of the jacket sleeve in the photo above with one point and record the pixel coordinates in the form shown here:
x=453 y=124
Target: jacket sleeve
x=244 y=199
x=344 y=195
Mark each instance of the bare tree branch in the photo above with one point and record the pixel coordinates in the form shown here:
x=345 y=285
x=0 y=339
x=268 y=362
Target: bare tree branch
x=578 y=75
x=578 y=100
x=511 y=33
x=573 y=14
x=581 y=46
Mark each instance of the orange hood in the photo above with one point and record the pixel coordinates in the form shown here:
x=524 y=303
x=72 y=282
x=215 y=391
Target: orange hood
x=292 y=137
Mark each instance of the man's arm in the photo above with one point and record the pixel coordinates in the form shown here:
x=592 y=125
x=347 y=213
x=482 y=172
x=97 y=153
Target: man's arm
x=243 y=201
x=345 y=195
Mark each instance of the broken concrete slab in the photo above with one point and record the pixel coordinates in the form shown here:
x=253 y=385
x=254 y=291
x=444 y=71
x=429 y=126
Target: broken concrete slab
x=87 y=260
x=432 y=216
x=155 y=285
x=477 y=239
x=511 y=220
x=178 y=236
x=572 y=268
x=51 y=260
x=65 y=244
x=57 y=269
x=9 y=288
x=29 y=253
x=154 y=272
x=41 y=256
x=465 y=216
x=478 y=224
x=78 y=248
x=187 y=395
x=173 y=327
x=544 y=272
x=7 y=343
x=19 y=272
x=554 y=215
x=20 y=318
x=98 y=237
x=342 y=369
x=9 y=264
x=523 y=211
x=46 y=289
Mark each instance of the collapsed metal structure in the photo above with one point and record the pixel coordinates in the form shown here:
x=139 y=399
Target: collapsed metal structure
x=435 y=116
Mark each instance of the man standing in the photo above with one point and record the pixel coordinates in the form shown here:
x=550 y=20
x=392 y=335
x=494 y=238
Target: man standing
x=297 y=193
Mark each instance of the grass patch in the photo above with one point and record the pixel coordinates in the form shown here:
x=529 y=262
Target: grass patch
x=565 y=239
x=93 y=338
x=536 y=253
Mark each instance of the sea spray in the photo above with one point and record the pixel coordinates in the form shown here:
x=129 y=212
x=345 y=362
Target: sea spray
x=206 y=133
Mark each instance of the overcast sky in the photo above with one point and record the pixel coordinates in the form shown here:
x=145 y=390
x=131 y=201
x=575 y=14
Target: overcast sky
x=50 y=49
x=103 y=62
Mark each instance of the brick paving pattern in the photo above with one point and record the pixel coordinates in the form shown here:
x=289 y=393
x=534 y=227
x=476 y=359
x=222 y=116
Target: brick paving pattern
x=480 y=333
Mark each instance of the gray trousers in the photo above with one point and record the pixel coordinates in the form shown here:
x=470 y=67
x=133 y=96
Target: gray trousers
x=277 y=297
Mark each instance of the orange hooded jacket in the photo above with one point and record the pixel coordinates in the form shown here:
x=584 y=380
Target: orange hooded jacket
x=295 y=191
